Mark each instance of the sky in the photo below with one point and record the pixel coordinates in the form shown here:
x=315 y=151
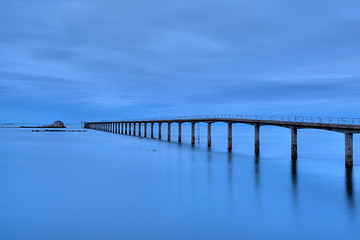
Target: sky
x=84 y=60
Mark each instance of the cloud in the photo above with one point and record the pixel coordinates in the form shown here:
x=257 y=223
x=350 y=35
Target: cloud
x=94 y=58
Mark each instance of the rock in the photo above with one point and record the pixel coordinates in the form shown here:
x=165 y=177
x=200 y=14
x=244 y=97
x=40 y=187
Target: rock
x=56 y=124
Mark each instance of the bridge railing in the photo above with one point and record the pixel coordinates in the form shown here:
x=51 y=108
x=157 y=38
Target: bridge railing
x=300 y=119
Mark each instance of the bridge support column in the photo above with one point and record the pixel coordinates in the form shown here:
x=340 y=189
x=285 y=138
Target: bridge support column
x=122 y=128
x=229 y=136
x=126 y=128
x=152 y=130
x=118 y=128
x=169 y=131
x=159 y=130
x=257 y=140
x=134 y=128
x=294 y=154
x=139 y=129
x=179 y=134
x=349 y=149
x=145 y=130
x=130 y=128
x=192 y=133
x=209 y=135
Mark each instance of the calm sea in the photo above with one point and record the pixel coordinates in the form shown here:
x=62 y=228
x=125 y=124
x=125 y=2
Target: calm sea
x=96 y=185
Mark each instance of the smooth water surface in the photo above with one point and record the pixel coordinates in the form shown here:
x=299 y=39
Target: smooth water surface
x=97 y=185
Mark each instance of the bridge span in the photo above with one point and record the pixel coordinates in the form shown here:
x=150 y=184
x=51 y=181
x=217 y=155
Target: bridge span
x=347 y=126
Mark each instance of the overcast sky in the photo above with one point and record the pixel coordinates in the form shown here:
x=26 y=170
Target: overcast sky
x=77 y=60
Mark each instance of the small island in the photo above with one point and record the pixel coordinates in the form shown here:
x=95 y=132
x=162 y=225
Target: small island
x=56 y=124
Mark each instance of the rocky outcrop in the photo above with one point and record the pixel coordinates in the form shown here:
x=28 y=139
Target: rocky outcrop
x=56 y=124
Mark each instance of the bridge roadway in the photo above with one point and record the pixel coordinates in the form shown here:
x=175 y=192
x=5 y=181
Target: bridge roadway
x=347 y=126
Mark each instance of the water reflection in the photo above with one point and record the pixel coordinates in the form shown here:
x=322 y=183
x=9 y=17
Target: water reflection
x=294 y=181
x=209 y=176
x=349 y=188
x=257 y=172
x=230 y=174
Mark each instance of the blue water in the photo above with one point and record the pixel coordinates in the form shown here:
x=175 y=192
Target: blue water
x=97 y=185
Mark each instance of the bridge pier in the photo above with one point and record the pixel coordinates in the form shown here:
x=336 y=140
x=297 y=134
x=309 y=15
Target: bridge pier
x=209 y=135
x=122 y=128
x=294 y=153
x=134 y=128
x=159 y=130
x=192 y=133
x=130 y=124
x=179 y=134
x=145 y=130
x=152 y=130
x=169 y=131
x=139 y=129
x=119 y=128
x=257 y=140
x=229 y=137
x=126 y=128
x=349 y=149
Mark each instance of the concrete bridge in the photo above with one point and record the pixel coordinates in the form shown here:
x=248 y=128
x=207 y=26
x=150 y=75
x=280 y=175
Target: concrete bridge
x=347 y=126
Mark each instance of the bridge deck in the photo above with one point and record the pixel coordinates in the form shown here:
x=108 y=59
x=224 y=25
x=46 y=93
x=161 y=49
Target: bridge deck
x=339 y=124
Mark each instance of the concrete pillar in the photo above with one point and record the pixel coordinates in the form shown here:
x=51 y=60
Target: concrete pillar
x=152 y=130
x=294 y=143
x=118 y=128
x=130 y=128
x=179 y=134
x=159 y=130
x=134 y=128
x=209 y=135
x=349 y=149
x=145 y=130
x=229 y=136
x=122 y=128
x=192 y=133
x=126 y=128
x=169 y=131
x=257 y=140
x=139 y=129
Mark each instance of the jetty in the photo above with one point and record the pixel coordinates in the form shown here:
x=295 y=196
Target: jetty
x=346 y=126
